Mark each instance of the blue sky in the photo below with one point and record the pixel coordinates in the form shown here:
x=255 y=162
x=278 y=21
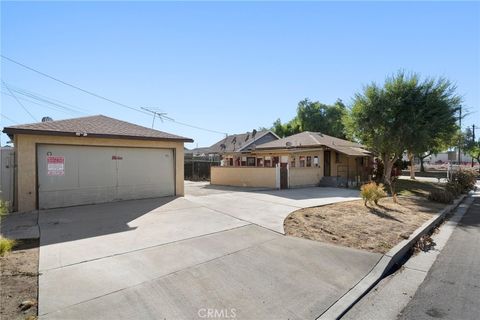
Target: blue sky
x=230 y=67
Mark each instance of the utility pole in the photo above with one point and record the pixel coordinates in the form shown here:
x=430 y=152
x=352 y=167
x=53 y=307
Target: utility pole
x=473 y=138
x=461 y=137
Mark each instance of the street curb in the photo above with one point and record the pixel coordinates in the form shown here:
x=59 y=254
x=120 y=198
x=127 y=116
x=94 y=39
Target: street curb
x=388 y=260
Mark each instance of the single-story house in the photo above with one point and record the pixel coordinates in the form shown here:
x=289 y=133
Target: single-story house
x=93 y=159
x=237 y=143
x=304 y=159
x=198 y=161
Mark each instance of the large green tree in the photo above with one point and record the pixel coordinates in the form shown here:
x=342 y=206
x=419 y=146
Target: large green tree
x=316 y=117
x=396 y=117
x=471 y=146
x=434 y=119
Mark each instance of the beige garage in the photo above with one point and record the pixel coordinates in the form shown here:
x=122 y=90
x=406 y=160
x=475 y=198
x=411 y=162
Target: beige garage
x=93 y=160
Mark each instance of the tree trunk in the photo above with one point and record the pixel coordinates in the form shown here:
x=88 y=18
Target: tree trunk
x=387 y=175
x=422 y=168
x=412 y=165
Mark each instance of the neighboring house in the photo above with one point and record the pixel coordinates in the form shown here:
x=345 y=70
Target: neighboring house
x=236 y=144
x=242 y=143
x=199 y=160
x=304 y=159
x=92 y=160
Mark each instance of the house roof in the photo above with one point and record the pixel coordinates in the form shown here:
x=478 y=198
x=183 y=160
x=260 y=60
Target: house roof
x=94 y=126
x=237 y=142
x=196 y=151
x=309 y=139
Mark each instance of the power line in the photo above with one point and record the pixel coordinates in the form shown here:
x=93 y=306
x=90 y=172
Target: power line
x=163 y=116
x=72 y=86
x=104 y=98
x=199 y=128
x=54 y=104
x=9 y=119
x=43 y=105
x=16 y=99
x=47 y=99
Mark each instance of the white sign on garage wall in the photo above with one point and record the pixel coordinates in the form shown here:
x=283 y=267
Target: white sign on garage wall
x=55 y=166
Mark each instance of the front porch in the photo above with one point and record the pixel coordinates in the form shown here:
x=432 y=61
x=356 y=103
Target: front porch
x=291 y=169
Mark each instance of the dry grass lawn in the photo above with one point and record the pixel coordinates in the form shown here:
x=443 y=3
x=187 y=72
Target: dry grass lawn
x=19 y=281
x=351 y=224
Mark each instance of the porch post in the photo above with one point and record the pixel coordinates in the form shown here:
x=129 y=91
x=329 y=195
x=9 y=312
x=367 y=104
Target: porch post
x=348 y=169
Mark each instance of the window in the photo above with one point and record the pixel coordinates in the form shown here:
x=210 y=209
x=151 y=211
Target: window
x=315 y=161
x=276 y=160
x=302 y=161
x=309 y=161
x=244 y=161
x=250 y=161
x=268 y=161
x=259 y=162
x=337 y=157
x=292 y=162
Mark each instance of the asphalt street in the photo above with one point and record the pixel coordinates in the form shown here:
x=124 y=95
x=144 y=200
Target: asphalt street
x=451 y=289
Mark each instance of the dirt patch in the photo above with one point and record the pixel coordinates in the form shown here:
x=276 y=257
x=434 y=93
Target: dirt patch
x=19 y=281
x=351 y=224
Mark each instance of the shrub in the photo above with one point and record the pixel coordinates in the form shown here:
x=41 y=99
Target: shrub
x=465 y=179
x=6 y=245
x=372 y=192
x=4 y=206
x=442 y=196
x=454 y=188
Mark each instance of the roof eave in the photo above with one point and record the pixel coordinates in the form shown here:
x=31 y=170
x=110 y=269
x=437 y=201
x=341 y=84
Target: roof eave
x=12 y=131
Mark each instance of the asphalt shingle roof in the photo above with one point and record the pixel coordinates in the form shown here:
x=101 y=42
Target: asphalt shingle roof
x=309 y=139
x=235 y=142
x=96 y=126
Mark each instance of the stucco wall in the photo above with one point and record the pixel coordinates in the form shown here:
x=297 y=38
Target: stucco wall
x=25 y=147
x=243 y=176
x=301 y=177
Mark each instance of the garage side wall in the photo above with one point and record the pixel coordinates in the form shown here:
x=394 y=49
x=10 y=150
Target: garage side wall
x=26 y=173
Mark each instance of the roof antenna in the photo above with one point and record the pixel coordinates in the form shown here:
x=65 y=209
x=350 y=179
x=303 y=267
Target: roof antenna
x=157 y=112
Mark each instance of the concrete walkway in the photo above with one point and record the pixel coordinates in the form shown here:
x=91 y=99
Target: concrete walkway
x=178 y=258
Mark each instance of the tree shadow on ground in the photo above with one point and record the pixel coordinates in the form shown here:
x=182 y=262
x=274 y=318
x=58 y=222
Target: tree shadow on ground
x=388 y=208
x=381 y=214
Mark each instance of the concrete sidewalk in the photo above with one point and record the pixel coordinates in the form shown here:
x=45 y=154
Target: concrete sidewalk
x=393 y=293
x=451 y=289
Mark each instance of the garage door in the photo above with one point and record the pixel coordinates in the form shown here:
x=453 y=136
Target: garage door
x=75 y=175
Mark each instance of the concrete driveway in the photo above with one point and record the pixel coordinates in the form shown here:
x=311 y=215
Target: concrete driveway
x=216 y=251
x=266 y=208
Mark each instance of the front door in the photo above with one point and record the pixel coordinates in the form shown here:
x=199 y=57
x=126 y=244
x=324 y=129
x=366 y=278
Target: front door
x=326 y=163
